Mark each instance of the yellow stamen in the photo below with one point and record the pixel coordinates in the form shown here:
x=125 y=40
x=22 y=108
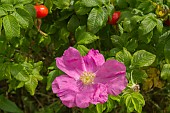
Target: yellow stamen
x=87 y=78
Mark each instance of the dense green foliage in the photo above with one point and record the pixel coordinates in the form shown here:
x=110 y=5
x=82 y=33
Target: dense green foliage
x=141 y=40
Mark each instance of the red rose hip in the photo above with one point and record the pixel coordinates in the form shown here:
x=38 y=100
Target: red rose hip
x=115 y=18
x=41 y=11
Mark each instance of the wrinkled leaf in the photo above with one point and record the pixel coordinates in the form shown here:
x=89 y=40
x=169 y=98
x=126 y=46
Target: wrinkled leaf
x=62 y=4
x=92 y=3
x=134 y=101
x=147 y=25
x=124 y=56
x=142 y=58
x=24 y=18
x=2 y=12
x=96 y=19
x=19 y=72
x=81 y=9
x=31 y=85
x=11 y=26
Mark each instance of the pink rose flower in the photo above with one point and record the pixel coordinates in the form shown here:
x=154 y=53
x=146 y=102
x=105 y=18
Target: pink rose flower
x=88 y=79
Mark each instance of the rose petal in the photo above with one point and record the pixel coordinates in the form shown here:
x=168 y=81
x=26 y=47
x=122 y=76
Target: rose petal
x=71 y=63
x=109 y=70
x=68 y=98
x=117 y=85
x=64 y=82
x=91 y=94
x=93 y=60
x=66 y=88
x=84 y=97
x=90 y=64
x=100 y=95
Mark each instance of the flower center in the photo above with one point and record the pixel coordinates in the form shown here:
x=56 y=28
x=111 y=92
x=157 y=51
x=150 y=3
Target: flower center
x=87 y=78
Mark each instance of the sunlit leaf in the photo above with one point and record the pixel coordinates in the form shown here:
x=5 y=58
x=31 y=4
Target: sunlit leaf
x=31 y=85
x=147 y=25
x=142 y=58
x=165 y=73
x=84 y=37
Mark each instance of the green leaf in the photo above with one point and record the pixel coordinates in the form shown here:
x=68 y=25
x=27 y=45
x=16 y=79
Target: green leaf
x=159 y=25
x=82 y=49
x=51 y=76
x=167 y=52
x=115 y=98
x=100 y=108
x=113 y=52
x=165 y=72
x=142 y=58
x=8 y=106
x=80 y=9
x=110 y=9
x=84 y=37
x=11 y=26
x=30 y=8
x=124 y=56
x=97 y=19
x=133 y=101
x=110 y=105
x=146 y=38
x=138 y=75
x=73 y=23
x=127 y=25
x=92 y=3
x=122 y=3
x=19 y=72
x=147 y=25
x=23 y=1
x=31 y=84
x=132 y=45
x=49 y=5
x=27 y=66
x=119 y=41
x=16 y=1
x=2 y=12
x=146 y=6
x=132 y=3
x=0 y=25
x=5 y=71
x=8 y=1
x=24 y=18
x=38 y=66
x=36 y=70
x=8 y=7
x=64 y=34
x=62 y=4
